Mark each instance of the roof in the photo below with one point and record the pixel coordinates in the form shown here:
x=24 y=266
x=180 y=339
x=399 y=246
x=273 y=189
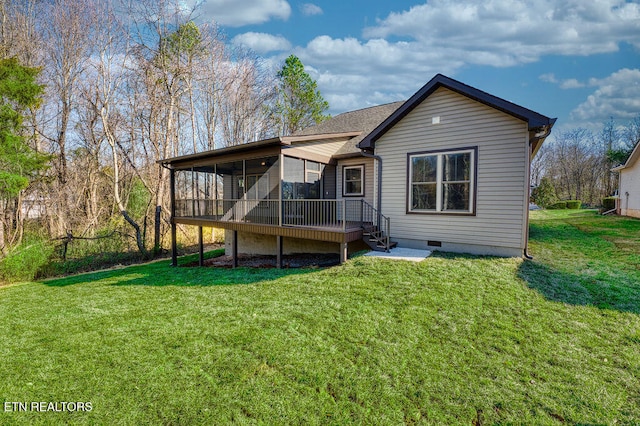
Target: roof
x=635 y=154
x=363 y=120
x=535 y=120
x=278 y=141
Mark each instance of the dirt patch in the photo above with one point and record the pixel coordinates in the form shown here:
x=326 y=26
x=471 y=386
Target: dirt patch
x=304 y=260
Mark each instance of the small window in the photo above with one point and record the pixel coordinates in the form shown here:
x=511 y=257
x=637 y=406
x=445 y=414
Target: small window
x=353 y=181
x=441 y=182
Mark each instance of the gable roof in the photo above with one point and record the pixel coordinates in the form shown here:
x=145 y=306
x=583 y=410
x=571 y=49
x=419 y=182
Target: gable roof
x=633 y=158
x=363 y=120
x=534 y=120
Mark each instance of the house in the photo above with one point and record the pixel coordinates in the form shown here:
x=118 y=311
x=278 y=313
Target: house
x=629 y=185
x=447 y=169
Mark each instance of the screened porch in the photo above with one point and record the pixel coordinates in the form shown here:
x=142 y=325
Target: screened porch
x=272 y=190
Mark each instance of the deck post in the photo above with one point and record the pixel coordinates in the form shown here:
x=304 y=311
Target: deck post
x=172 y=193
x=343 y=252
x=344 y=215
x=174 y=245
x=280 y=204
x=279 y=252
x=234 y=250
x=200 y=247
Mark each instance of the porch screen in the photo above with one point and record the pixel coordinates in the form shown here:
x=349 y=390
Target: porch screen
x=302 y=179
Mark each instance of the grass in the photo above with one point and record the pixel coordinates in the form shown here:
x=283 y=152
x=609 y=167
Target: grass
x=451 y=340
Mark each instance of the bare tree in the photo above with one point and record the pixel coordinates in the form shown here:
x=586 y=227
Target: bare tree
x=245 y=92
x=111 y=84
x=574 y=165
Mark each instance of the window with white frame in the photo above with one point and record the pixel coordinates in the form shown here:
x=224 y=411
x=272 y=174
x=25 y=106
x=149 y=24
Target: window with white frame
x=442 y=182
x=353 y=181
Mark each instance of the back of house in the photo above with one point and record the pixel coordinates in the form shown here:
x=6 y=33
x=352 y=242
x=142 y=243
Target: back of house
x=456 y=169
x=447 y=169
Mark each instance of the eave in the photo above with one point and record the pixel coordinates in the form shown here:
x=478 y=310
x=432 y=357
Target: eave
x=635 y=154
x=536 y=122
x=277 y=142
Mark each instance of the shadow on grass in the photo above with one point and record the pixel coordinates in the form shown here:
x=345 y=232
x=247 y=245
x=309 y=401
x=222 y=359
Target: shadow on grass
x=582 y=289
x=161 y=273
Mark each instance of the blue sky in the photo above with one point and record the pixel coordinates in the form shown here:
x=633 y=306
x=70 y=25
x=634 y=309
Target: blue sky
x=577 y=60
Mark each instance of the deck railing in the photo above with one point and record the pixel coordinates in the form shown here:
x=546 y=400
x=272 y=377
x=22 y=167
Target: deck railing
x=339 y=214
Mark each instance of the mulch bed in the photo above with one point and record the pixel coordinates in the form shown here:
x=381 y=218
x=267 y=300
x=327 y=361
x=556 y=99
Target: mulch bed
x=288 y=261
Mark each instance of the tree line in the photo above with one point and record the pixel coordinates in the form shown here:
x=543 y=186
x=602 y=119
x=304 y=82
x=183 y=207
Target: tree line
x=99 y=91
x=577 y=164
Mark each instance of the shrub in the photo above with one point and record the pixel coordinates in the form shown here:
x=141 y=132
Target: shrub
x=609 y=203
x=25 y=262
x=544 y=194
x=574 y=204
x=558 y=205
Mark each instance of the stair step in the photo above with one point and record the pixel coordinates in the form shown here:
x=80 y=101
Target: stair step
x=392 y=244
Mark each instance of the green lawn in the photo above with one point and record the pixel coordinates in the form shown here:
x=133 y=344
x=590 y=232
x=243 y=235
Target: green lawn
x=451 y=340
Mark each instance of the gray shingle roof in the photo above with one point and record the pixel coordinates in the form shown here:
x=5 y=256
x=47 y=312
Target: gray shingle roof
x=364 y=120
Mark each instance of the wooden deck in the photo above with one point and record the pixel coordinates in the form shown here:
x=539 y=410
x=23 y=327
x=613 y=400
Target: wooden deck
x=335 y=234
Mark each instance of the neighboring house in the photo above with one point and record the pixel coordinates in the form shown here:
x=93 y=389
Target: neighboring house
x=448 y=169
x=629 y=185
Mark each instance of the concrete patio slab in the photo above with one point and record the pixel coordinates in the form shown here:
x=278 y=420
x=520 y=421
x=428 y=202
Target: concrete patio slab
x=402 y=253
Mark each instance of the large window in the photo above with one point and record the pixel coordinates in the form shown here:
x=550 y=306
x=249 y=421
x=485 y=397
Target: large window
x=353 y=181
x=442 y=182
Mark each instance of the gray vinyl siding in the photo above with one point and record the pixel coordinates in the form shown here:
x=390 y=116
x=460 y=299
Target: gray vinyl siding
x=369 y=177
x=329 y=182
x=502 y=171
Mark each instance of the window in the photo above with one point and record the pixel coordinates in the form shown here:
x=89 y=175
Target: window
x=442 y=182
x=352 y=181
x=313 y=171
x=257 y=187
x=301 y=179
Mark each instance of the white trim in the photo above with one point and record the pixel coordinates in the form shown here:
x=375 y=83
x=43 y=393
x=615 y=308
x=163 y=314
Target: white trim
x=344 y=181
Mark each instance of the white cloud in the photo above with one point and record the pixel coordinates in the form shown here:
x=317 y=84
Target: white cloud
x=236 y=13
x=310 y=9
x=509 y=32
x=348 y=69
x=570 y=83
x=405 y=49
x=262 y=42
x=617 y=96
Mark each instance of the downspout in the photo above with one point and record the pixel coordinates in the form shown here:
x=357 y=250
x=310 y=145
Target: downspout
x=537 y=136
x=379 y=191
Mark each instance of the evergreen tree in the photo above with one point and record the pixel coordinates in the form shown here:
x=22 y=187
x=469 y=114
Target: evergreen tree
x=544 y=194
x=299 y=103
x=19 y=164
x=18 y=93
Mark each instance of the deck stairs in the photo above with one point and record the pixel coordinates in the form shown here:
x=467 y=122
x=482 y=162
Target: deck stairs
x=376 y=228
x=377 y=239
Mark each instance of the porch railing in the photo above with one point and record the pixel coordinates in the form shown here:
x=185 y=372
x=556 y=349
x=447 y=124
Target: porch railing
x=338 y=214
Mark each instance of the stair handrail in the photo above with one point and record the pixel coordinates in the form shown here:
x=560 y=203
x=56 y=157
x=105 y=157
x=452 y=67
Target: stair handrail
x=383 y=223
